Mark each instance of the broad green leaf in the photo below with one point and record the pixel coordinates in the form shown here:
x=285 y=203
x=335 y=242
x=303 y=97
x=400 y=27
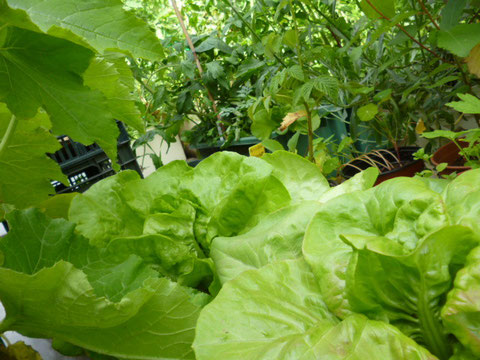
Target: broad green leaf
x=469 y=104
x=377 y=8
x=213 y=43
x=290 y=38
x=461 y=39
x=386 y=281
x=327 y=86
x=278 y=236
x=277 y=313
x=272 y=145
x=403 y=210
x=248 y=67
x=174 y=259
x=25 y=170
x=461 y=312
x=57 y=206
x=215 y=69
x=451 y=135
x=236 y=192
x=103 y=24
x=29 y=79
x=119 y=308
x=263 y=124
x=228 y=192
x=102 y=212
x=303 y=180
x=296 y=72
x=367 y=112
x=462 y=199
x=112 y=76
x=452 y=13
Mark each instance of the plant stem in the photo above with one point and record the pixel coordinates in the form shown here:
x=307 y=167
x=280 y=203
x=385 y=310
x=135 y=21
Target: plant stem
x=8 y=134
x=311 y=156
x=199 y=65
x=403 y=30
x=428 y=14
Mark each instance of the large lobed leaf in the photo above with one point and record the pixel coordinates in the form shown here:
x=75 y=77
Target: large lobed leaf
x=38 y=70
x=53 y=284
x=25 y=169
x=101 y=24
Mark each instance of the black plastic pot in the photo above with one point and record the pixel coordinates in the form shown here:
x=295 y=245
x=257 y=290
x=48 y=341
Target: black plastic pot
x=241 y=146
x=409 y=167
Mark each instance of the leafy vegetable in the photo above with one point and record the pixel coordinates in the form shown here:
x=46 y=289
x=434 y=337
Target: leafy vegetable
x=110 y=305
x=462 y=309
x=277 y=312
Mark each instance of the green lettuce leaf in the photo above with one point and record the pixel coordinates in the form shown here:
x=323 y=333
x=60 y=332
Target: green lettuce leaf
x=461 y=312
x=229 y=193
x=362 y=181
x=235 y=192
x=407 y=288
x=403 y=210
x=277 y=312
x=53 y=284
x=462 y=199
x=278 y=236
x=301 y=177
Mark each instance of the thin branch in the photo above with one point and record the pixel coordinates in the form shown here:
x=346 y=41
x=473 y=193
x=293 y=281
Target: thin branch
x=197 y=61
x=474 y=17
x=428 y=14
x=404 y=30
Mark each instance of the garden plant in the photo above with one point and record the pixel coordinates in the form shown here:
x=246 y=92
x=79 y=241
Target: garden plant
x=240 y=257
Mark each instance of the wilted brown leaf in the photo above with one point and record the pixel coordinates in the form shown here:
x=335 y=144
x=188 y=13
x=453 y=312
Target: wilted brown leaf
x=290 y=118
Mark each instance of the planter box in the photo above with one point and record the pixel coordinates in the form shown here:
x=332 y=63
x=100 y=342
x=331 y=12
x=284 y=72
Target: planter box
x=408 y=169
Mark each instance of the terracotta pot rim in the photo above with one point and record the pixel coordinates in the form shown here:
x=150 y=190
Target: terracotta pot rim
x=450 y=167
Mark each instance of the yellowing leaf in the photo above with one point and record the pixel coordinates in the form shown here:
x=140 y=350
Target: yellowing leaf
x=420 y=128
x=473 y=60
x=19 y=351
x=290 y=118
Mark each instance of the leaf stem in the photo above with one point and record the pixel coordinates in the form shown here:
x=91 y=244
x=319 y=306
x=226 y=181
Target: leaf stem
x=431 y=329
x=199 y=67
x=8 y=134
